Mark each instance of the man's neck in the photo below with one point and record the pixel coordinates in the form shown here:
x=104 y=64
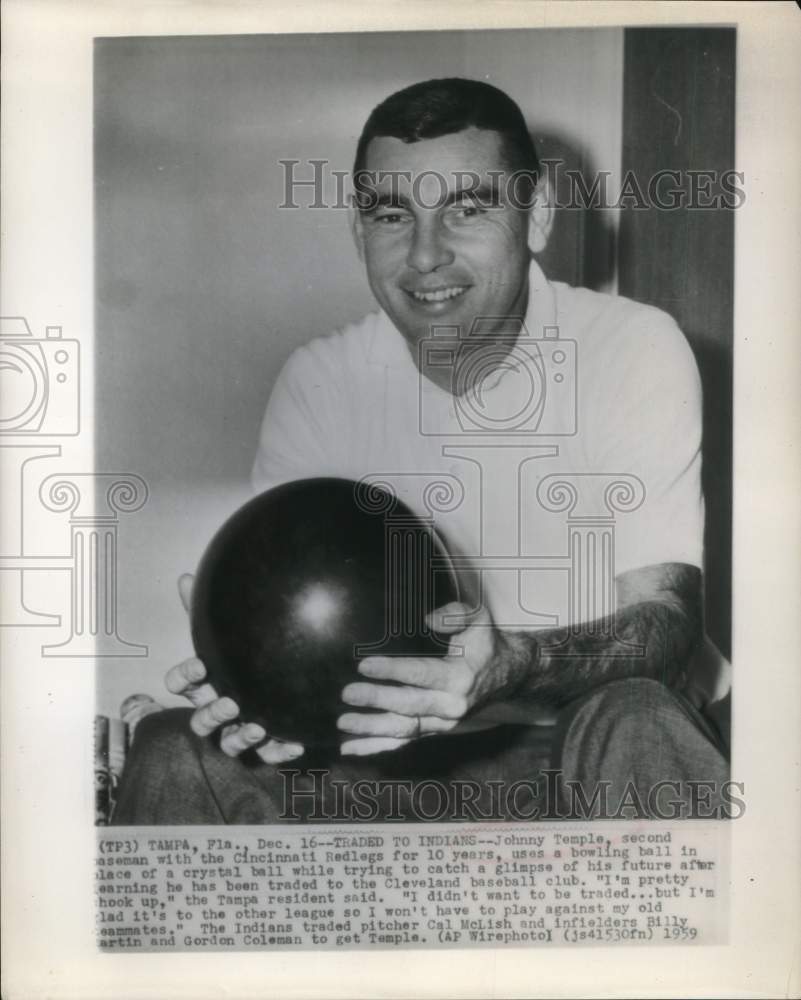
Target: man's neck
x=468 y=368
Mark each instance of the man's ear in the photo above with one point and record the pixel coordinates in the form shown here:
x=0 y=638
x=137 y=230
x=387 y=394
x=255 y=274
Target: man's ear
x=540 y=217
x=356 y=227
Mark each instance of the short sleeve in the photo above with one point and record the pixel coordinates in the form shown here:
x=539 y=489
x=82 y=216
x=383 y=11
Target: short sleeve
x=646 y=421
x=295 y=440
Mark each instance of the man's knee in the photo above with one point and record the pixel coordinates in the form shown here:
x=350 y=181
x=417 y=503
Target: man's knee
x=163 y=768
x=164 y=735
x=636 y=730
x=628 y=710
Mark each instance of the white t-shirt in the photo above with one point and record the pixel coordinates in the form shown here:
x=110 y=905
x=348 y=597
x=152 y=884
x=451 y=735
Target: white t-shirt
x=582 y=447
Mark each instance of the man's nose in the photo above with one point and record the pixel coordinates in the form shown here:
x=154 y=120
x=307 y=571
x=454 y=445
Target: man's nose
x=429 y=248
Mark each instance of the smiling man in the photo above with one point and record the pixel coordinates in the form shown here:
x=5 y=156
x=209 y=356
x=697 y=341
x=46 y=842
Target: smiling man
x=439 y=250
x=515 y=393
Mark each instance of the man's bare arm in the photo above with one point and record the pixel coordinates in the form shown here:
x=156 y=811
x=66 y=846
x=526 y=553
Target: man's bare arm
x=659 y=611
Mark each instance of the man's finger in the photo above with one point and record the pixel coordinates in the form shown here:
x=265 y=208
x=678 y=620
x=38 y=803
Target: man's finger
x=378 y=724
x=456 y=617
x=203 y=694
x=365 y=747
x=424 y=672
x=209 y=718
x=405 y=700
x=275 y=752
x=236 y=739
x=185 y=583
x=186 y=679
x=391 y=724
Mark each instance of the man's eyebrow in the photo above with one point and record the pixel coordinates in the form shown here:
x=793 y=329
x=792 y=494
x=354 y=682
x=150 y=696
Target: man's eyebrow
x=483 y=194
x=390 y=199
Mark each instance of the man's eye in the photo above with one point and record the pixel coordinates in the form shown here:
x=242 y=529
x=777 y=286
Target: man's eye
x=390 y=218
x=467 y=210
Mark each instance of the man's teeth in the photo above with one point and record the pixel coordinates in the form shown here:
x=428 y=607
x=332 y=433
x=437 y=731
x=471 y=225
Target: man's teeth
x=440 y=295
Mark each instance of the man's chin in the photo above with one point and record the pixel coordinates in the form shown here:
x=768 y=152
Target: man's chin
x=415 y=321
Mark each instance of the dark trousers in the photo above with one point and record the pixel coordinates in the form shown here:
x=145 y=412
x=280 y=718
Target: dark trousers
x=629 y=749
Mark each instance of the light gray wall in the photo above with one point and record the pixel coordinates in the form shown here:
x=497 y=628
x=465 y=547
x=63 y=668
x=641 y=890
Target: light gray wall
x=203 y=286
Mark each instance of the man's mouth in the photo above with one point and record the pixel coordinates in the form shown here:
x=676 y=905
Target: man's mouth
x=439 y=294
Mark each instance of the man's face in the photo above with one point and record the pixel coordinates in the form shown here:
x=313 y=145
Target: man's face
x=435 y=256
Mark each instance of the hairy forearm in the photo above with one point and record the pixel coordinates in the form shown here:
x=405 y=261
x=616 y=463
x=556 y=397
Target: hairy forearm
x=653 y=638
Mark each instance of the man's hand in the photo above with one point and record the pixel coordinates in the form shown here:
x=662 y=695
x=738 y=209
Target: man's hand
x=436 y=692
x=189 y=679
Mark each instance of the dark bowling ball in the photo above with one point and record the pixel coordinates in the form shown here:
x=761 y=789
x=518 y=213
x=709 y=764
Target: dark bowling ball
x=303 y=582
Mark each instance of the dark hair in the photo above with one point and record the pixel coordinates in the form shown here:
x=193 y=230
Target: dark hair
x=435 y=108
